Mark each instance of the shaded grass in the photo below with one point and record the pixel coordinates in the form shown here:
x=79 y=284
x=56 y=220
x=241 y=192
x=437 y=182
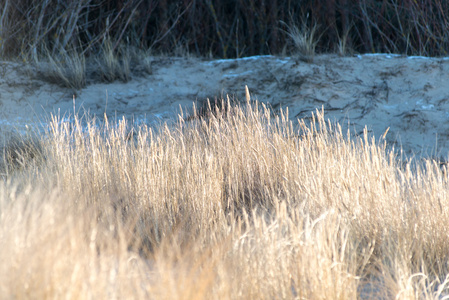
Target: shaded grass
x=114 y=65
x=71 y=43
x=71 y=69
x=305 y=40
x=243 y=205
x=20 y=153
x=67 y=69
x=233 y=28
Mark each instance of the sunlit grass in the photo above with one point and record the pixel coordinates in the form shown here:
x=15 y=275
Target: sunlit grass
x=239 y=204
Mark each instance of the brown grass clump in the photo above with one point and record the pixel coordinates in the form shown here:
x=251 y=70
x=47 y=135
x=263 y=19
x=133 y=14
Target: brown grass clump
x=242 y=206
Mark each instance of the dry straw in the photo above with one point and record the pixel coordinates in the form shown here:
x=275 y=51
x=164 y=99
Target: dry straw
x=242 y=204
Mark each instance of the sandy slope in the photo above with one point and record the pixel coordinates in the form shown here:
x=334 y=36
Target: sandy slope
x=408 y=94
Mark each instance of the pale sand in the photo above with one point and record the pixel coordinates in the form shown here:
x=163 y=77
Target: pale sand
x=410 y=95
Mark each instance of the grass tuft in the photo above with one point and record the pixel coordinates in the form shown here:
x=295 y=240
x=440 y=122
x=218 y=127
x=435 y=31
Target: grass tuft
x=114 y=64
x=67 y=69
x=305 y=40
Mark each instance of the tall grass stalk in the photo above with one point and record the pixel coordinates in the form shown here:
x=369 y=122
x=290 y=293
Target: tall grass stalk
x=241 y=204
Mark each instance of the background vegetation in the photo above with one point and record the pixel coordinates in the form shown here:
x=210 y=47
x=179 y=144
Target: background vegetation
x=231 y=28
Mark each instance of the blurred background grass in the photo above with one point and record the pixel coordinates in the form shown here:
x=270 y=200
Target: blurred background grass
x=226 y=29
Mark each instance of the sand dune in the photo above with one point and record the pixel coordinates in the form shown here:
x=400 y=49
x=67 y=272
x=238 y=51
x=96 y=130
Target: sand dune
x=409 y=95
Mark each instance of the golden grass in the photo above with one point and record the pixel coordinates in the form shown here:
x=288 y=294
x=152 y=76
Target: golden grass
x=239 y=205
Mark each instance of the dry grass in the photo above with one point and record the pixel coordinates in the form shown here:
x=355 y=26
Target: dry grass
x=70 y=68
x=112 y=38
x=305 y=39
x=114 y=64
x=233 y=28
x=66 y=69
x=344 y=47
x=20 y=153
x=238 y=205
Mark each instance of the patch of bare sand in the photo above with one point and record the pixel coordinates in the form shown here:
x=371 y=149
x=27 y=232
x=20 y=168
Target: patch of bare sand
x=408 y=95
